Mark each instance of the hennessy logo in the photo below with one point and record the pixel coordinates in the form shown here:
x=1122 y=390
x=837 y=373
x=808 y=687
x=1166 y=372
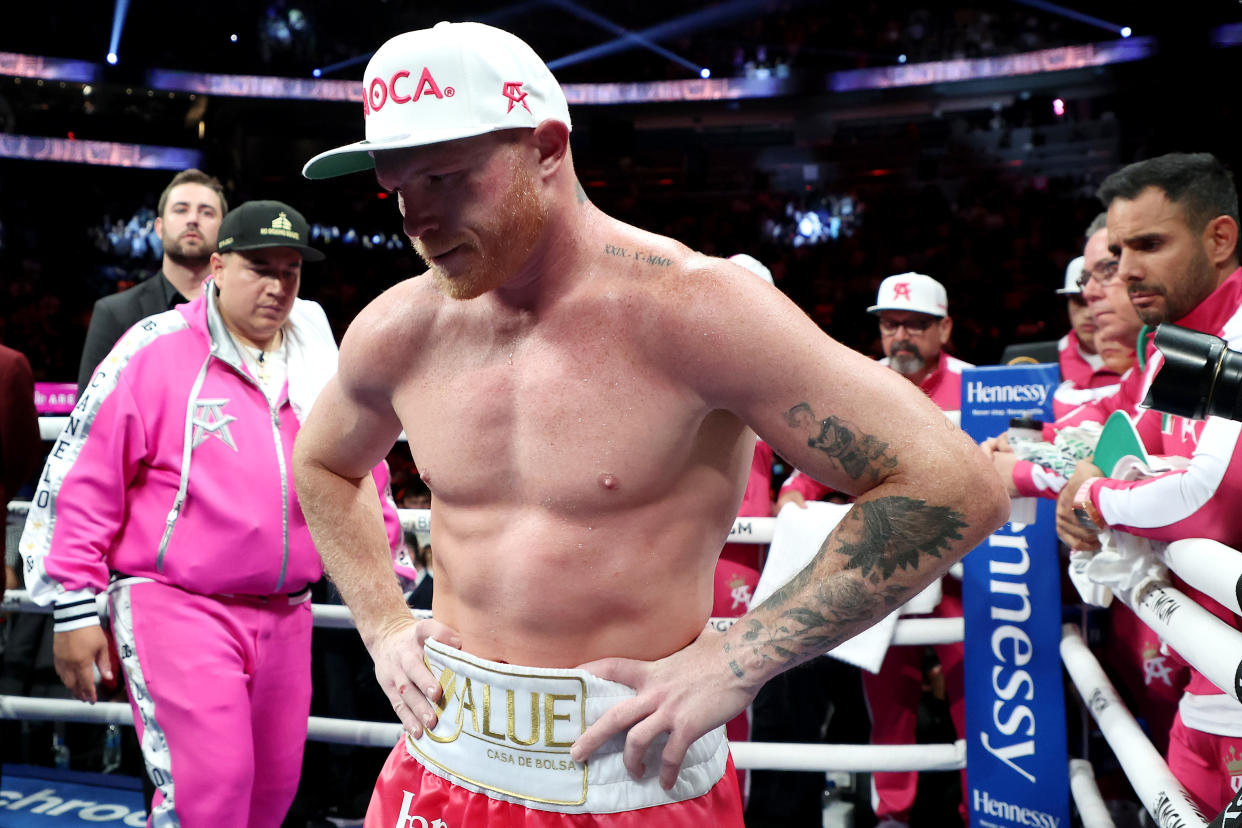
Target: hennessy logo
x=462 y=695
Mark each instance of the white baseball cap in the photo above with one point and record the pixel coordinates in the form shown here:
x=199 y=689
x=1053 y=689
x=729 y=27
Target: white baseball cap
x=455 y=80
x=1073 y=272
x=753 y=265
x=911 y=292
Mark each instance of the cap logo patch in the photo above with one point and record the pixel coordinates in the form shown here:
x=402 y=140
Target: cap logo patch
x=901 y=290
x=281 y=226
x=513 y=91
x=380 y=92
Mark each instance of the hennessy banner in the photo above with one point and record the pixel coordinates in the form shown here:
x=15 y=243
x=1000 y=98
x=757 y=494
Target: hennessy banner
x=1017 y=769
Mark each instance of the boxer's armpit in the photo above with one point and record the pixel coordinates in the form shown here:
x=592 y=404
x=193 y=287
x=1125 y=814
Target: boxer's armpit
x=857 y=454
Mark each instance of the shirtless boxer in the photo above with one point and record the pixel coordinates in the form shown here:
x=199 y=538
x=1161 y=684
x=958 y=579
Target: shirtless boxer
x=576 y=393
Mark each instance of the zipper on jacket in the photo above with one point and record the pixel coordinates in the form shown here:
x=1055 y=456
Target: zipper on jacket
x=187 y=450
x=284 y=496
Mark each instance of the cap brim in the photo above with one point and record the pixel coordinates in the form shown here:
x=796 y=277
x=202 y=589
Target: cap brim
x=1069 y=292
x=356 y=157
x=878 y=308
x=309 y=254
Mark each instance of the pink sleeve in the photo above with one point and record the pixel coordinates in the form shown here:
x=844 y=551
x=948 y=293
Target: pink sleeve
x=1200 y=501
x=1033 y=480
x=80 y=504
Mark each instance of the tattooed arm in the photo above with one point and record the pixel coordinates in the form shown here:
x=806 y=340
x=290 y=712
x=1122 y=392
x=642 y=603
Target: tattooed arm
x=925 y=496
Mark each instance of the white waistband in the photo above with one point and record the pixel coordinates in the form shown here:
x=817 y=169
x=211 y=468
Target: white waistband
x=505 y=731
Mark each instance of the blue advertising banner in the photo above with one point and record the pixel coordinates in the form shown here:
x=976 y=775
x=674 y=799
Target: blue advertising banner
x=33 y=797
x=1017 y=766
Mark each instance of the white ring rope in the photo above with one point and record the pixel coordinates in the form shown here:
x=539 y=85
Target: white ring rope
x=51 y=427
x=1161 y=794
x=1209 y=644
x=909 y=631
x=1205 y=641
x=744 y=530
x=1087 y=799
x=746 y=755
x=1208 y=566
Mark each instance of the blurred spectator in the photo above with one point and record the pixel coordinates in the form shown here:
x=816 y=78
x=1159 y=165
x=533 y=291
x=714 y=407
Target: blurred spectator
x=190 y=211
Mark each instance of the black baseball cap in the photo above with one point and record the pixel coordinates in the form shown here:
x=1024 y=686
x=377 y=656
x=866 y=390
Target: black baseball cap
x=258 y=224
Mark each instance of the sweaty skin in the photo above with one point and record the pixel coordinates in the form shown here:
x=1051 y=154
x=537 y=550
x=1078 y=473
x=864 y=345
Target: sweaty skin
x=582 y=428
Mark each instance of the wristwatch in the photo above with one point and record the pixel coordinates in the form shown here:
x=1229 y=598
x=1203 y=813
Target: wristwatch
x=1086 y=512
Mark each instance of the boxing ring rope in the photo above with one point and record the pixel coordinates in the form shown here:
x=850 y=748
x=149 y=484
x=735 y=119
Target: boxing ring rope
x=51 y=427
x=1194 y=632
x=746 y=755
x=1161 y=794
x=909 y=631
x=1210 y=645
x=1091 y=808
x=782 y=756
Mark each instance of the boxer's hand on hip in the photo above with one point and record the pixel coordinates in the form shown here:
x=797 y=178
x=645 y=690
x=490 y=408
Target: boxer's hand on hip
x=403 y=675
x=685 y=695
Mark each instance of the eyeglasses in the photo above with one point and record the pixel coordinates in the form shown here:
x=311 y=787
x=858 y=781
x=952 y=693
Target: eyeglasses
x=1104 y=273
x=914 y=326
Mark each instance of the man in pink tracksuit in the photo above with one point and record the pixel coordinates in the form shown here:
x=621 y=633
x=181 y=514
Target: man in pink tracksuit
x=1173 y=222
x=170 y=489
x=913 y=311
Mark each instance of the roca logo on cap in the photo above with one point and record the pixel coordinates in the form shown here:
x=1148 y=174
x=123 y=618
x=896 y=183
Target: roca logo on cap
x=379 y=91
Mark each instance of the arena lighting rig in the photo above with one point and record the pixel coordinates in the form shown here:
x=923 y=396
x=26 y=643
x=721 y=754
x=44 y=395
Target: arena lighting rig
x=687 y=23
x=625 y=38
x=119 y=11
x=1074 y=14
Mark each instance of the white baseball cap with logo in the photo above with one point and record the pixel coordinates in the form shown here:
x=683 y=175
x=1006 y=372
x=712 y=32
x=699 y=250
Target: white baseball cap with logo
x=1073 y=272
x=455 y=80
x=911 y=292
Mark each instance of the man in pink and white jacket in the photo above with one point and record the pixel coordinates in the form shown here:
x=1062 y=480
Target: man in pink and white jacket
x=1173 y=223
x=170 y=489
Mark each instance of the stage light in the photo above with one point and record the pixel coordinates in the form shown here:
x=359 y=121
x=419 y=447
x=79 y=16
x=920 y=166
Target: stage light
x=647 y=38
x=1074 y=14
x=901 y=58
x=232 y=38
x=1058 y=107
x=119 y=10
x=705 y=73
x=316 y=73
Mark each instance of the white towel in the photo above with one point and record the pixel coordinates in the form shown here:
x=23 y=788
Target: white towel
x=798 y=536
x=1125 y=564
x=312 y=355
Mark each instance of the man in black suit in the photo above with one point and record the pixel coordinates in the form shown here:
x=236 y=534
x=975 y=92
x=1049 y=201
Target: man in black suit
x=190 y=211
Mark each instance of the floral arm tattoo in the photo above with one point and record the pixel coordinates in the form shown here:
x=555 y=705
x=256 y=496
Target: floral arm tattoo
x=818 y=610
